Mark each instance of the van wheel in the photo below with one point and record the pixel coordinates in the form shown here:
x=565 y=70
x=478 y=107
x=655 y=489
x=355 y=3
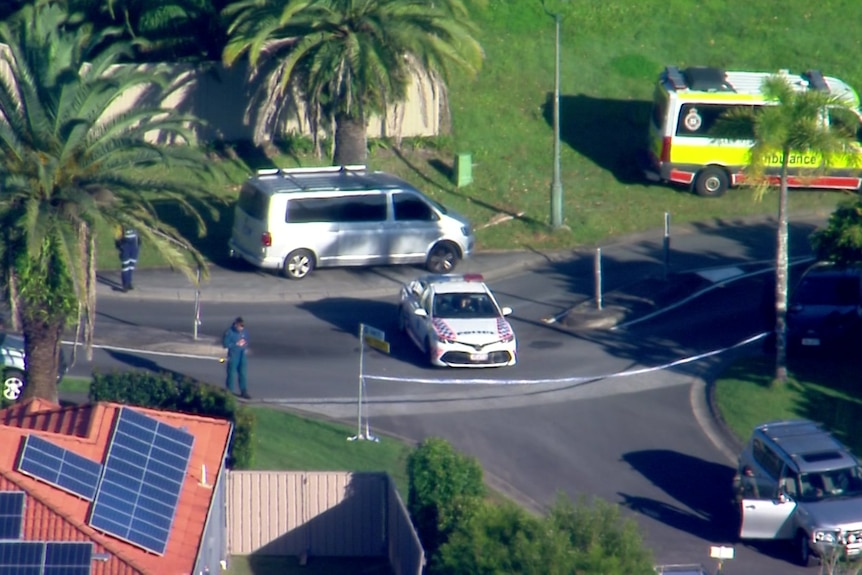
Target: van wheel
x=803 y=551
x=13 y=384
x=711 y=182
x=298 y=264
x=443 y=258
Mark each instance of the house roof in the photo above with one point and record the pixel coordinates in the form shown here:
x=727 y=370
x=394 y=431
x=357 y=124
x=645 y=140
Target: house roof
x=52 y=514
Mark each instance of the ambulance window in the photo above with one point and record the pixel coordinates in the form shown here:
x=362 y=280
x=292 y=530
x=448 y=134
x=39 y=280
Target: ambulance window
x=705 y=120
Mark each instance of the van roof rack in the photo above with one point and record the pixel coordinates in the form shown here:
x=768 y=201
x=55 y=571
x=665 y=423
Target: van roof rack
x=347 y=169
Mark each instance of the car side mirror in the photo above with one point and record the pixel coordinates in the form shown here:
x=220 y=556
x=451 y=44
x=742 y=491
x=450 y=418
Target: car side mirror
x=420 y=312
x=506 y=311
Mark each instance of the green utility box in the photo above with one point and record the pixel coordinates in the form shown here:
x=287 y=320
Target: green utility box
x=463 y=170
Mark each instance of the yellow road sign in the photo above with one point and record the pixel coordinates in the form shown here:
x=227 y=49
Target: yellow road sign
x=377 y=344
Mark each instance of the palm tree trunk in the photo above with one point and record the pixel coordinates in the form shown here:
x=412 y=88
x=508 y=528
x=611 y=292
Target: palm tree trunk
x=42 y=350
x=781 y=273
x=351 y=142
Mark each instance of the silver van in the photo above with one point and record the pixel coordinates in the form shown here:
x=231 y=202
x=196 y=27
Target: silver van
x=299 y=219
x=797 y=482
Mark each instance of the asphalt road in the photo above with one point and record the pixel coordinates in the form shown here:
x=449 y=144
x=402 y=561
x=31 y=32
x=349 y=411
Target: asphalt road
x=611 y=414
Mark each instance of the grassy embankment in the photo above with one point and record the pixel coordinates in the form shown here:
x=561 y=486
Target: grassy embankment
x=610 y=54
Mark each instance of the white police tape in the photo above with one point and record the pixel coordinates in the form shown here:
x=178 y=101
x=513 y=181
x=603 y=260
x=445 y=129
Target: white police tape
x=626 y=373
x=147 y=351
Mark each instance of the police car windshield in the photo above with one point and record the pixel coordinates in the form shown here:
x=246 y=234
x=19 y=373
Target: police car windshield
x=823 y=485
x=464 y=306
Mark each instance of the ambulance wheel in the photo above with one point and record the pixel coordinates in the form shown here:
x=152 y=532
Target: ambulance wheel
x=711 y=182
x=298 y=264
x=13 y=384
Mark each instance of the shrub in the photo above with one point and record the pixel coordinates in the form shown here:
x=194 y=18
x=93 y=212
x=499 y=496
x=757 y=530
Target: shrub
x=590 y=537
x=172 y=392
x=445 y=489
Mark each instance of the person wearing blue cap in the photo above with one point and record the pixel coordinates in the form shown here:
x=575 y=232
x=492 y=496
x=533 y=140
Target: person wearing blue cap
x=235 y=340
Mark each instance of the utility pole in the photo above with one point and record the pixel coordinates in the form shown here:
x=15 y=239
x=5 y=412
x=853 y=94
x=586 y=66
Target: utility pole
x=557 y=183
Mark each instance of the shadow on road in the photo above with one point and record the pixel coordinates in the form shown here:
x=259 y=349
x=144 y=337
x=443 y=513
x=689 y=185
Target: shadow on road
x=701 y=488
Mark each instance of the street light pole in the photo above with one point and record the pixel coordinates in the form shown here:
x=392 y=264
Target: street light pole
x=557 y=184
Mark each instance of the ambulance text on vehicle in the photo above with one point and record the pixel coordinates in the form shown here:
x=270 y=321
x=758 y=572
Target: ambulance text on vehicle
x=686 y=147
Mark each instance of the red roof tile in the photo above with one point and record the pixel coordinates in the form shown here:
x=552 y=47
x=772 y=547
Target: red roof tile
x=53 y=514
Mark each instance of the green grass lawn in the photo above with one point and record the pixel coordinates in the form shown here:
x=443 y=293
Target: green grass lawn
x=824 y=390
x=611 y=54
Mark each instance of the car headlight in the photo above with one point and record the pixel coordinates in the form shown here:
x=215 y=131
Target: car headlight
x=508 y=338
x=826 y=537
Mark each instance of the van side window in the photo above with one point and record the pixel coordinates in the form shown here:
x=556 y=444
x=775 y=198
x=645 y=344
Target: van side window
x=253 y=202
x=711 y=121
x=412 y=208
x=766 y=458
x=365 y=208
x=305 y=210
x=353 y=208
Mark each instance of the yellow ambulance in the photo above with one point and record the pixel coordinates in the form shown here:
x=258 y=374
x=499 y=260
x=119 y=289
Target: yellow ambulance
x=684 y=147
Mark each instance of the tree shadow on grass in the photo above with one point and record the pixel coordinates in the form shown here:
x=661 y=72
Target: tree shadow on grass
x=832 y=398
x=611 y=133
x=214 y=243
x=442 y=168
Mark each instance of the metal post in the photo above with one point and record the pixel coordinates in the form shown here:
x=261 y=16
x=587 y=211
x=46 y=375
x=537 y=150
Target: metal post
x=361 y=367
x=666 y=244
x=597 y=272
x=557 y=185
x=197 y=305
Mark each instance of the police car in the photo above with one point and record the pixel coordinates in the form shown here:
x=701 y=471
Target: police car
x=456 y=321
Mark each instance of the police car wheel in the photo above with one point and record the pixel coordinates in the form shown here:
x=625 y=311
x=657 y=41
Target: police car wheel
x=13 y=384
x=298 y=264
x=711 y=182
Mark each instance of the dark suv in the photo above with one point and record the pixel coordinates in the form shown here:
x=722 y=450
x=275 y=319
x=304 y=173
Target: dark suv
x=825 y=307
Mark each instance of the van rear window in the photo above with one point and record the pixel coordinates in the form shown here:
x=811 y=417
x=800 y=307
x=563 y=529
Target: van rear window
x=253 y=202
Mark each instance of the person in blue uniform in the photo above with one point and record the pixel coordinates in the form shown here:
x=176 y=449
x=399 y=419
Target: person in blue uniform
x=236 y=342
x=129 y=246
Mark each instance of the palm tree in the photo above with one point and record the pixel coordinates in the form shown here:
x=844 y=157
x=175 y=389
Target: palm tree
x=793 y=125
x=69 y=167
x=163 y=30
x=352 y=58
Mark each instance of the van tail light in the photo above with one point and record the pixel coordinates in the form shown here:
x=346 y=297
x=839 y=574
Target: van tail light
x=266 y=239
x=665 y=150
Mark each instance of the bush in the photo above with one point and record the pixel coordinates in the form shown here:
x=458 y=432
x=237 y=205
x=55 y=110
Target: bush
x=590 y=537
x=172 y=392
x=445 y=489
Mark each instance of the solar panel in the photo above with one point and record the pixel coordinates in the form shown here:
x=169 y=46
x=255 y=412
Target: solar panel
x=45 y=558
x=63 y=558
x=140 y=487
x=59 y=467
x=11 y=514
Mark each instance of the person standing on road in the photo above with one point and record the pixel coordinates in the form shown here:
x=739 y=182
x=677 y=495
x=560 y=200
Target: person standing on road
x=129 y=246
x=236 y=342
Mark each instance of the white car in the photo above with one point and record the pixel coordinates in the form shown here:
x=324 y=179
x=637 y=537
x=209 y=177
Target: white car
x=456 y=321
x=12 y=365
